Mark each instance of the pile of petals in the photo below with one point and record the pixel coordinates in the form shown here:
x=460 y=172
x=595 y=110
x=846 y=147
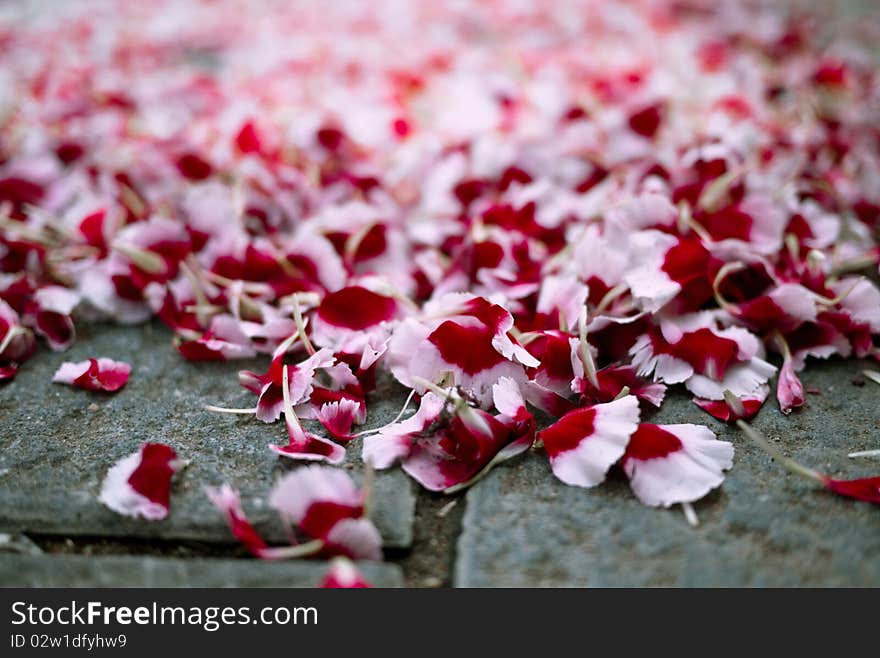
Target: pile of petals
x=505 y=206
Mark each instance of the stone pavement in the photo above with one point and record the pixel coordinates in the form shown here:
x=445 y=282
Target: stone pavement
x=520 y=526
x=763 y=527
x=133 y=571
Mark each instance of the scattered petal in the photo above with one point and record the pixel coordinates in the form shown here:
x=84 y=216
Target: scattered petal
x=94 y=375
x=140 y=485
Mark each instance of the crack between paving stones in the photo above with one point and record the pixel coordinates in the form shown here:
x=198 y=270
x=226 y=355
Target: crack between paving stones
x=430 y=561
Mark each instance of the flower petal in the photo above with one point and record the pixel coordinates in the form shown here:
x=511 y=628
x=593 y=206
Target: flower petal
x=586 y=442
x=140 y=485
x=669 y=464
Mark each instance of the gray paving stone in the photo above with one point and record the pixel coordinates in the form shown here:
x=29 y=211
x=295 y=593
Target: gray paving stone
x=522 y=527
x=132 y=571
x=57 y=442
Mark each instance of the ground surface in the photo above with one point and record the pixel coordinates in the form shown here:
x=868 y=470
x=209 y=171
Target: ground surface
x=517 y=527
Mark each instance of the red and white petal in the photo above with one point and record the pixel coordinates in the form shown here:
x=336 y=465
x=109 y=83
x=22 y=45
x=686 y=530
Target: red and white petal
x=315 y=449
x=669 y=464
x=227 y=500
x=297 y=492
x=373 y=349
x=748 y=344
x=270 y=404
x=301 y=376
x=155 y=231
x=101 y=374
x=305 y=446
x=395 y=441
x=467 y=336
x=557 y=352
x=316 y=253
x=586 y=442
x=338 y=417
x=269 y=385
x=343 y=574
x=70 y=371
x=650 y=208
x=97 y=288
x=408 y=337
x=431 y=466
x=140 y=485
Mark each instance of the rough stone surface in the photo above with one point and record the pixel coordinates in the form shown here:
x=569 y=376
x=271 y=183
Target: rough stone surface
x=57 y=442
x=132 y=571
x=763 y=527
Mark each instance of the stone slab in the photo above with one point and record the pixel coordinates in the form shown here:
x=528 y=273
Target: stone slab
x=57 y=442
x=763 y=527
x=132 y=571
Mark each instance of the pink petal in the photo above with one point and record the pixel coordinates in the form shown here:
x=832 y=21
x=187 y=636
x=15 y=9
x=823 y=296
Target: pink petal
x=789 y=389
